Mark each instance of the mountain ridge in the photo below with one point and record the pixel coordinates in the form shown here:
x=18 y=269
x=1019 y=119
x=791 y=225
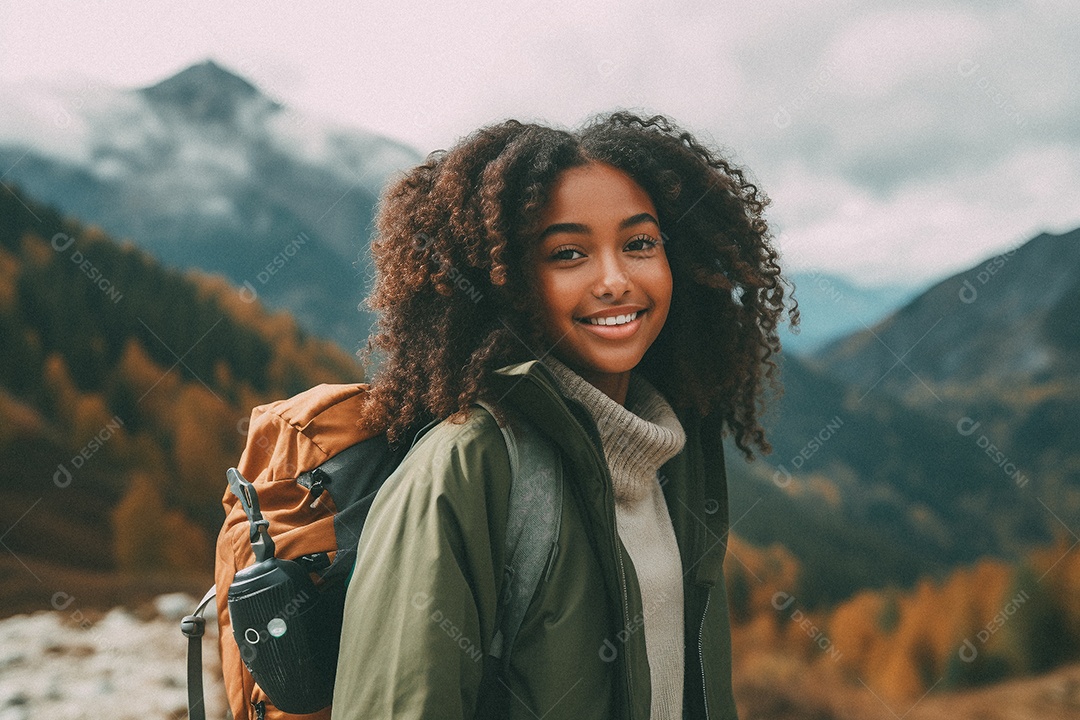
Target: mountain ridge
x=200 y=84
x=947 y=423
x=979 y=297
x=204 y=171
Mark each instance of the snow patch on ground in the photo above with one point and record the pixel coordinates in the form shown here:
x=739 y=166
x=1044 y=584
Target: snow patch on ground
x=62 y=665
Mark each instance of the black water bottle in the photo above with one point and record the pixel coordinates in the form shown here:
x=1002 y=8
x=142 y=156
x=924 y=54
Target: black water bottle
x=282 y=623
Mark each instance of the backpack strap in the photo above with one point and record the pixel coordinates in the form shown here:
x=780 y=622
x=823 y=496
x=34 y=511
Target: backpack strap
x=193 y=627
x=532 y=529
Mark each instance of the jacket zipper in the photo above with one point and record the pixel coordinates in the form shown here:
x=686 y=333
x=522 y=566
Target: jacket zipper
x=625 y=615
x=701 y=651
x=610 y=503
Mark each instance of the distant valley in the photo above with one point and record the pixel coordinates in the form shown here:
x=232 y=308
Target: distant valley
x=833 y=307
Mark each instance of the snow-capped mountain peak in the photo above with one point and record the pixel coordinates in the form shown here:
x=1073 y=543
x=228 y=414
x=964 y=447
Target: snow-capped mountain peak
x=207 y=92
x=204 y=170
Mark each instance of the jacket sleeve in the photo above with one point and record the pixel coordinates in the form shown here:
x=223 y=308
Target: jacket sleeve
x=420 y=606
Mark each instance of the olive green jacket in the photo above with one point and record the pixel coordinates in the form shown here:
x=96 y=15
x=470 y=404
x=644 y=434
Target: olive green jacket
x=420 y=609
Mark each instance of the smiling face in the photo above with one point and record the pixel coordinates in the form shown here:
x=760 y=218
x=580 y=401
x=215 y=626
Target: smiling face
x=602 y=274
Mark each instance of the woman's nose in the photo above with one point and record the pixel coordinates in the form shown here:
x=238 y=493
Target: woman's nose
x=613 y=279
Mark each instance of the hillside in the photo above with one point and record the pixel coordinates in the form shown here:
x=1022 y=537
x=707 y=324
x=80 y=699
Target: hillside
x=976 y=626
x=894 y=491
x=124 y=393
x=961 y=451
x=205 y=171
x=992 y=357
x=1009 y=319
x=833 y=552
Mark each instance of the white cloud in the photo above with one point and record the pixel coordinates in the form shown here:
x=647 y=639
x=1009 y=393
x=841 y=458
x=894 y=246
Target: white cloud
x=897 y=138
x=926 y=231
x=878 y=55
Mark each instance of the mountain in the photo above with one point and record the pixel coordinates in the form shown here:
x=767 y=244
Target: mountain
x=832 y=307
x=125 y=389
x=1010 y=319
x=895 y=492
x=204 y=171
x=994 y=352
x=967 y=448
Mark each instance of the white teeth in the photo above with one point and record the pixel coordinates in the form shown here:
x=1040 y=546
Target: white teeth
x=616 y=320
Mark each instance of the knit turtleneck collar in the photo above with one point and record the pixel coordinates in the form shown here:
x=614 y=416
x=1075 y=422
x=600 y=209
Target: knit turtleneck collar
x=637 y=439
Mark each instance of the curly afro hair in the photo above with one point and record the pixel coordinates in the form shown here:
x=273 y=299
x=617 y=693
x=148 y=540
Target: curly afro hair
x=452 y=285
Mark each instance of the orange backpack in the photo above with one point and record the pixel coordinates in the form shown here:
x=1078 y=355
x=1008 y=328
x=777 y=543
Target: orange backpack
x=302 y=491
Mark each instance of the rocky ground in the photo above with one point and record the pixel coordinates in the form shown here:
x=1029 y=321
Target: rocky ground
x=71 y=664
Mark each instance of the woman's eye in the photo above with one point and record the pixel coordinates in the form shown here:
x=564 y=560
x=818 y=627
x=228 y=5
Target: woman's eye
x=641 y=243
x=566 y=253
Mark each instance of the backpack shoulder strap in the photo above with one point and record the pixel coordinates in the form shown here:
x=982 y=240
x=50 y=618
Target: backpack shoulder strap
x=532 y=530
x=193 y=626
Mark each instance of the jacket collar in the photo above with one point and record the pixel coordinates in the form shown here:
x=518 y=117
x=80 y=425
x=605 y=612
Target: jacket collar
x=531 y=389
x=698 y=506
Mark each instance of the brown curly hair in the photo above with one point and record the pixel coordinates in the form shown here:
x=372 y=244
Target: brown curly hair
x=453 y=290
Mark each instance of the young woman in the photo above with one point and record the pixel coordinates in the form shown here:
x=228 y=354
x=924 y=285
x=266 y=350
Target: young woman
x=615 y=286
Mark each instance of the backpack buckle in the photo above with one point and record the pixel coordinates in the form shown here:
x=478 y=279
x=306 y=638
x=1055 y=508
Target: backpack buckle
x=261 y=542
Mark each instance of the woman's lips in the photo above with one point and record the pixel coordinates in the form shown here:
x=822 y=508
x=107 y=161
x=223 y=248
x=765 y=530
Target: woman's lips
x=614 y=332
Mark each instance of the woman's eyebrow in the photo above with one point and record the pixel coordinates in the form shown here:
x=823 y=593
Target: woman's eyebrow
x=575 y=228
x=581 y=229
x=637 y=219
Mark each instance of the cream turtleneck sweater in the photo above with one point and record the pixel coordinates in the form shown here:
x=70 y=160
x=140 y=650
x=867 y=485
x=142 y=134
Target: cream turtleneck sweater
x=637 y=439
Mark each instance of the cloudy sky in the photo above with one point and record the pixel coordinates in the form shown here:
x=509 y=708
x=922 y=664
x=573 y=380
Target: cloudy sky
x=899 y=142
